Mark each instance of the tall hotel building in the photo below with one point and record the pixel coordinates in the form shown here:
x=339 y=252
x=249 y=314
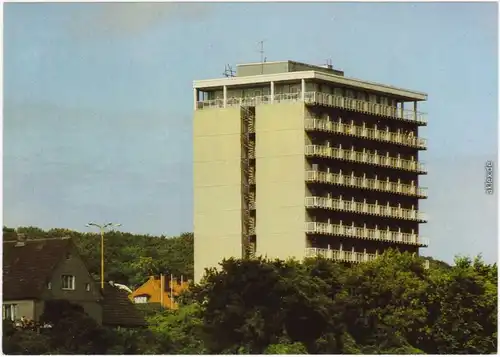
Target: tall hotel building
x=296 y=160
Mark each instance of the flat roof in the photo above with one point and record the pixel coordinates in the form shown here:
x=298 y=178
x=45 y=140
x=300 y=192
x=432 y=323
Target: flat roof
x=287 y=62
x=319 y=76
x=259 y=63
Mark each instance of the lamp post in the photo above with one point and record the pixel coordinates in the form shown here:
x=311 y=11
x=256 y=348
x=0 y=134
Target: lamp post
x=102 y=229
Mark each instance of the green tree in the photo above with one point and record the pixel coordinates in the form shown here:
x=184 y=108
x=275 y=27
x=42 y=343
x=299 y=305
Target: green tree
x=178 y=331
x=26 y=342
x=285 y=347
x=391 y=305
x=463 y=309
x=251 y=304
x=125 y=341
x=386 y=302
x=73 y=331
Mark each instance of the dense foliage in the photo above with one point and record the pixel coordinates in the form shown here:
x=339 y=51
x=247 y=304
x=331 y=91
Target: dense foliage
x=388 y=306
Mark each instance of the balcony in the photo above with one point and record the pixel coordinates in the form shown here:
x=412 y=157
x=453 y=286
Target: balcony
x=362 y=132
x=363 y=106
x=364 y=208
x=365 y=183
x=346 y=256
x=325 y=99
x=365 y=158
x=365 y=233
x=340 y=255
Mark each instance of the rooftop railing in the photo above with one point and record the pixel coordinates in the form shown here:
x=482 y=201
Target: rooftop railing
x=320 y=98
x=365 y=233
x=364 y=208
x=365 y=157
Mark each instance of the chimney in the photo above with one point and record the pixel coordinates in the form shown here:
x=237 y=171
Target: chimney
x=21 y=240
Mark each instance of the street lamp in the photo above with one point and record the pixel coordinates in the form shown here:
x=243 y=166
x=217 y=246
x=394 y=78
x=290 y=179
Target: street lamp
x=102 y=228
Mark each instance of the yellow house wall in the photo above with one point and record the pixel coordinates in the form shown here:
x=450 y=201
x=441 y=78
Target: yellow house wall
x=217 y=187
x=280 y=189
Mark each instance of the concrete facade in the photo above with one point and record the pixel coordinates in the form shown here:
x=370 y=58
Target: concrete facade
x=280 y=190
x=217 y=186
x=295 y=160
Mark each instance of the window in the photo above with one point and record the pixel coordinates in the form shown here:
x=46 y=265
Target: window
x=87 y=287
x=141 y=299
x=49 y=285
x=68 y=282
x=9 y=311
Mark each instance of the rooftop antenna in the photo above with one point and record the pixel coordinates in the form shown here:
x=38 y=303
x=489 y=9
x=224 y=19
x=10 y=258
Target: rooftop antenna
x=228 y=71
x=262 y=58
x=329 y=64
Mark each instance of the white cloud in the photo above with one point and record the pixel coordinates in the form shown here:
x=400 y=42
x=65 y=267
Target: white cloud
x=126 y=19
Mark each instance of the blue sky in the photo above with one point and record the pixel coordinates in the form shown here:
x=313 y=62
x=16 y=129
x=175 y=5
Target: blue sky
x=98 y=102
